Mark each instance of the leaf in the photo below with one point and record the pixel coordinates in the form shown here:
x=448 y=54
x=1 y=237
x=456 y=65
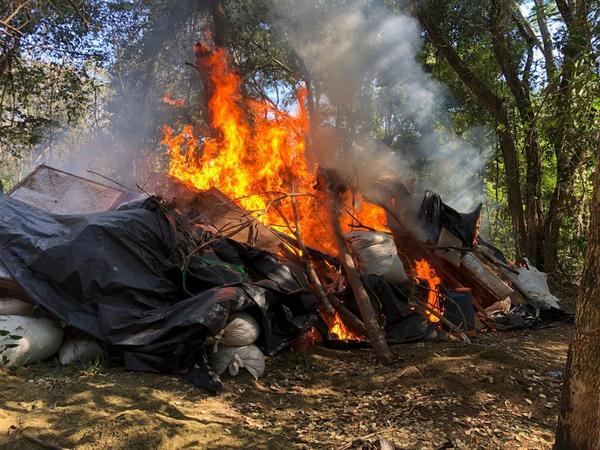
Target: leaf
x=15 y=337
x=596 y=104
x=4 y=332
x=10 y=345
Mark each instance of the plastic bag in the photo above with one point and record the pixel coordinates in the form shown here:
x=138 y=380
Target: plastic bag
x=12 y=306
x=248 y=357
x=377 y=254
x=25 y=340
x=533 y=284
x=242 y=330
x=79 y=350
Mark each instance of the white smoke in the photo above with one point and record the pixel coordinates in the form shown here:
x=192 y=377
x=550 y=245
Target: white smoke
x=356 y=48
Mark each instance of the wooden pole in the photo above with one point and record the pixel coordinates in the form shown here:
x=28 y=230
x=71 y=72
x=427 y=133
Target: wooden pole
x=374 y=332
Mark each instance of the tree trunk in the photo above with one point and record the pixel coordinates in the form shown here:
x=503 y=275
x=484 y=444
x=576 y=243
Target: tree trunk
x=495 y=107
x=218 y=14
x=579 y=421
x=565 y=139
x=506 y=56
x=546 y=39
x=556 y=215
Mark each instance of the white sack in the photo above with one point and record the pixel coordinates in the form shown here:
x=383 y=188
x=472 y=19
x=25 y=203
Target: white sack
x=533 y=284
x=79 y=350
x=248 y=357
x=12 y=306
x=241 y=330
x=27 y=340
x=376 y=253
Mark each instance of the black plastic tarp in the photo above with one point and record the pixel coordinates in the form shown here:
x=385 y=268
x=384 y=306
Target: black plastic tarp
x=149 y=288
x=533 y=314
x=401 y=323
x=435 y=214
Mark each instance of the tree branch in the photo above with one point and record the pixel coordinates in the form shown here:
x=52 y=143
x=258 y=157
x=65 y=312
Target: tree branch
x=542 y=21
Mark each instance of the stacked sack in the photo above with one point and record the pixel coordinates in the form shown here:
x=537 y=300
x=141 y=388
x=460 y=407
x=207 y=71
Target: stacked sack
x=24 y=338
x=28 y=339
x=376 y=253
x=235 y=347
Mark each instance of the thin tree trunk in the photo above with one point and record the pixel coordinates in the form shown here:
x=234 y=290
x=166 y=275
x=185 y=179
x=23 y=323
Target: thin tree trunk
x=218 y=14
x=565 y=139
x=503 y=47
x=495 y=107
x=579 y=420
x=542 y=21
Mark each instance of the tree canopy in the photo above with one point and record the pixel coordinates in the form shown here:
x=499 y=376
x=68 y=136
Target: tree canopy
x=85 y=81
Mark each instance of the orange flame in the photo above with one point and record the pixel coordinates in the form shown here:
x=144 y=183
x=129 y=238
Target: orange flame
x=169 y=100
x=258 y=155
x=424 y=271
x=340 y=331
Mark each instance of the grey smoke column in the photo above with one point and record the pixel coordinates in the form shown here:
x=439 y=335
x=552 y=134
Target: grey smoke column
x=366 y=56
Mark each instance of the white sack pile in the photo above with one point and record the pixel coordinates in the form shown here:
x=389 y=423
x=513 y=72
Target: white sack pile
x=238 y=351
x=26 y=339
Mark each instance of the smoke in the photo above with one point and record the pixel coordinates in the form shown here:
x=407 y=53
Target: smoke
x=365 y=56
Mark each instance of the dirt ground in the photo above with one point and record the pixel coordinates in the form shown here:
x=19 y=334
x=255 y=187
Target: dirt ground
x=495 y=393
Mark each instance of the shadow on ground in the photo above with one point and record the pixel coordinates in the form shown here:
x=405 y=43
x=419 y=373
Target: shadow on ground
x=494 y=393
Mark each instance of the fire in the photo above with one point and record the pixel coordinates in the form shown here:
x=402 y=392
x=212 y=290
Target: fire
x=340 y=331
x=257 y=154
x=371 y=215
x=169 y=100
x=424 y=271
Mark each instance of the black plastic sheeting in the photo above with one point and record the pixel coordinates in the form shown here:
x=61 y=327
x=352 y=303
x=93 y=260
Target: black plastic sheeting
x=533 y=314
x=118 y=276
x=435 y=214
x=401 y=323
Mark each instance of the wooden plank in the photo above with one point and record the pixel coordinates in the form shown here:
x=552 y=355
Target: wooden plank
x=221 y=212
x=485 y=276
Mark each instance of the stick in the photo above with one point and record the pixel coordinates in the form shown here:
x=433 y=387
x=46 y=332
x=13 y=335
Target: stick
x=43 y=443
x=374 y=332
x=310 y=271
x=111 y=180
x=445 y=321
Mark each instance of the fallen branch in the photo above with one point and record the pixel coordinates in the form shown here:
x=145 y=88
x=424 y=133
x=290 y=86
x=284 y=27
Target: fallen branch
x=310 y=271
x=334 y=191
x=41 y=443
x=348 y=317
x=425 y=309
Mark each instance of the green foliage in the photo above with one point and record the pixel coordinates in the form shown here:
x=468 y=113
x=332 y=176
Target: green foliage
x=97 y=71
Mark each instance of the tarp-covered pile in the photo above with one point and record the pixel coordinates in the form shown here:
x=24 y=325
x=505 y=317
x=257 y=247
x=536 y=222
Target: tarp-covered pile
x=146 y=284
x=155 y=285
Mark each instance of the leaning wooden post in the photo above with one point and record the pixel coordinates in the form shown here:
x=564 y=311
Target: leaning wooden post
x=374 y=332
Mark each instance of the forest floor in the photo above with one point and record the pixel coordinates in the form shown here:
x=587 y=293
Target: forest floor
x=495 y=393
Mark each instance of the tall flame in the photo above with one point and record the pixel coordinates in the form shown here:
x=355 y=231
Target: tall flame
x=424 y=272
x=258 y=154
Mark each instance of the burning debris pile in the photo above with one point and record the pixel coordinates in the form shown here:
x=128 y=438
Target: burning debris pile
x=246 y=252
